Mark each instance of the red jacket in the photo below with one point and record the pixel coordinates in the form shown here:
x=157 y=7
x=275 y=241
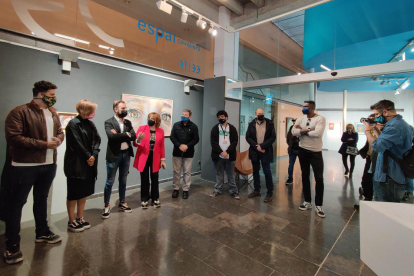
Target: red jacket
x=144 y=149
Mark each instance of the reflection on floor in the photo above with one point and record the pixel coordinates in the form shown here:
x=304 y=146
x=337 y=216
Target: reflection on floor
x=205 y=236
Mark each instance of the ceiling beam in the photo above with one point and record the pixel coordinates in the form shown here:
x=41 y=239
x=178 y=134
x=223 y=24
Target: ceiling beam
x=258 y=3
x=233 y=5
x=272 y=10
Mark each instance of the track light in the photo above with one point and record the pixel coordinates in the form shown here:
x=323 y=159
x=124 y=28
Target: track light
x=212 y=31
x=184 y=16
x=388 y=82
x=375 y=78
x=398 y=82
x=299 y=74
x=326 y=68
x=383 y=82
x=201 y=23
x=405 y=84
x=412 y=48
x=164 y=6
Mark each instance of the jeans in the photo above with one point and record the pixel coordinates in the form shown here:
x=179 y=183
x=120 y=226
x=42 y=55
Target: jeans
x=389 y=191
x=221 y=166
x=410 y=186
x=292 y=159
x=309 y=158
x=111 y=167
x=367 y=181
x=185 y=164
x=267 y=173
x=345 y=162
x=22 y=181
x=145 y=181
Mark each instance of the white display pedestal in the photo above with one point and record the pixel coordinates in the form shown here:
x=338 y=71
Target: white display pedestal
x=387 y=237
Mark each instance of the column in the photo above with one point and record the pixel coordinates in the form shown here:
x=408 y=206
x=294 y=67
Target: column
x=345 y=97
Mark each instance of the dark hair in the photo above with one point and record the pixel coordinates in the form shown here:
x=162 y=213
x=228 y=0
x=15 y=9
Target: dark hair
x=384 y=104
x=189 y=111
x=311 y=103
x=222 y=112
x=42 y=86
x=116 y=103
x=372 y=115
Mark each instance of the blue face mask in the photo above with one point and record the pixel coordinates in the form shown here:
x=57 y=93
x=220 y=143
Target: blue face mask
x=184 y=119
x=305 y=111
x=380 y=119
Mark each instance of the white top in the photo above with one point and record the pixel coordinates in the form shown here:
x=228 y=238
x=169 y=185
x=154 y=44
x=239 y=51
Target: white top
x=224 y=138
x=49 y=152
x=312 y=141
x=120 y=121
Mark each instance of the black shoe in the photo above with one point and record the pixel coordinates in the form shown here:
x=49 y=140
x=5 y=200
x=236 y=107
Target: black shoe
x=175 y=193
x=346 y=173
x=106 y=212
x=84 y=223
x=289 y=181
x=13 y=255
x=74 y=226
x=185 y=195
x=123 y=207
x=49 y=237
x=254 y=194
x=350 y=175
x=144 y=205
x=356 y=207
x=156 y=203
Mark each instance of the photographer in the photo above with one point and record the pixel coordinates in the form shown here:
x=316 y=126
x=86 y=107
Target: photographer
x=349 y=140
x=366 y=153
x=396 y=137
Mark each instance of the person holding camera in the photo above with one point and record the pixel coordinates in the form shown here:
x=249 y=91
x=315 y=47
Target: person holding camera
x=395 y=138
x=349 y=142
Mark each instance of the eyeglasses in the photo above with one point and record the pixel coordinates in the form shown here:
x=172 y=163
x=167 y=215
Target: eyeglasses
x=307 y=124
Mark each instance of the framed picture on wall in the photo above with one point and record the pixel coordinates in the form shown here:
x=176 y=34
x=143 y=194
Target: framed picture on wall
x=331 y=126
x=65 y=117
x=140 y=106
x=289 y=123
x=360 y=128
x=242 y=125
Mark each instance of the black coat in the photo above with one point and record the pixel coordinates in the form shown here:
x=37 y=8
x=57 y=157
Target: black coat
x=115 y=140
x=215 y=143
x=79 y=148
x=267 y=145
x=186 y=135
x=346 y=143
x=292 y=141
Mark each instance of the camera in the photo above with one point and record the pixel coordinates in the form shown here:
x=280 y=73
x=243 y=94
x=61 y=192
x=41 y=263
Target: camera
x=334 y=74
x=371 y=122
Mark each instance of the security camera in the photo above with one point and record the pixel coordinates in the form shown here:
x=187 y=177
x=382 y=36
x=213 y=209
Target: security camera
x=187 y=85
x=334 y=74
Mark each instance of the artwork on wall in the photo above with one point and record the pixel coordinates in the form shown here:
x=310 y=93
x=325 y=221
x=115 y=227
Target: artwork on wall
x=65 y=117
x=242 y=125
x=140 y=106
x=331 y=126
x=289 y=123
x=360 y=128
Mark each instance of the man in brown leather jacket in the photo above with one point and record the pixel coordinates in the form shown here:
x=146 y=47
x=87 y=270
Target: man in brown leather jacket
x=33 y=133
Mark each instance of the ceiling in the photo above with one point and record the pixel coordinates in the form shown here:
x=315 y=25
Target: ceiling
x=293 y=25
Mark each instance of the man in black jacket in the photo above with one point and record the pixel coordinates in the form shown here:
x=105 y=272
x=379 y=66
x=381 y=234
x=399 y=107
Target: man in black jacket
x=293 y=151
x=184 y=136
x=261 y=136
x=224 y=139
x=118 y=154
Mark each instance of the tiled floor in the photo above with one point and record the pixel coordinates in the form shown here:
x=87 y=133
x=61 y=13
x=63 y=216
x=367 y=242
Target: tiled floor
x=205 y=236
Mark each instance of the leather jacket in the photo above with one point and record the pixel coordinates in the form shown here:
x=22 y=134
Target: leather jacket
x=26 y=133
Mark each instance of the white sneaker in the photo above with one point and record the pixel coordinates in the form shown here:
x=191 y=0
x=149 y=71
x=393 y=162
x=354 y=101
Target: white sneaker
x=319 y=211
x=305 y=206
x=106 y=212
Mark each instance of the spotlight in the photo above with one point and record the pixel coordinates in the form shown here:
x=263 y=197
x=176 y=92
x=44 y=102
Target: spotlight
x=164 y=6
x=111 y=52
x=299 y=74
x=326 y=68
x=412 y=48
x=201 y=23
x=375 y=78
x=184 y=16
x=405 y=84
x=383 y=82
x=398 y=82
x=212 y=31
x=388 y=82
x=398 y=91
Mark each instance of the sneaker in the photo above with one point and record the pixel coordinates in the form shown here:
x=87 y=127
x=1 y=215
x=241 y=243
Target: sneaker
x=175 y=193
x=289 y=181
x=319 y=211
x=254 y=194
x=185 y=195
x=305 y=206
x=84 y=223
x=268 y=199
x=236 y=196
x=74 y=226
x=144 y=204
x=106 y=212
x=14 y=255
x=346 y=173
x=406 y=196
x=123 y=207
x=50 y=237
x=214 y=194
x=156 y=203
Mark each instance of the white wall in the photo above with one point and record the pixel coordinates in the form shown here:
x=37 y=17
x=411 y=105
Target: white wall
x=332 y=138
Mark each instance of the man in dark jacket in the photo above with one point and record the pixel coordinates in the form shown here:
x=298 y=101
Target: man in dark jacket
x=293 y=151
x=184 y=136
x=118 y=154
x=33 y=133
x=224 y=139
x=261 y=135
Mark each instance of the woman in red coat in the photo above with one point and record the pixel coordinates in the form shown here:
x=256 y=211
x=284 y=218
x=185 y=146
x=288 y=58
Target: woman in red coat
x=150 y=158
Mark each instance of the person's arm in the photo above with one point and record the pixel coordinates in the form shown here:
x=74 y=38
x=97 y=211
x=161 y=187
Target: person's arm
x=319 y=128
x=214 y=140
x=96 y=142
x=131 y=131
x=234 y=139
x=385 y=141
x=356 y=138
x=295 y=129
x=174 y=139
x=249 y=137
x=119 y=137
x=196 y=138
x=344 y=139
x=76 y=141
x=289 y=136
x=269 y=142
x=162 y=144
x=60 y=134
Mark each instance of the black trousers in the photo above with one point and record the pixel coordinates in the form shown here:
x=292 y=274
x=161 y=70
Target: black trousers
x=145 y=181
x=345 y=161
x=367 y=181
x=309 y=158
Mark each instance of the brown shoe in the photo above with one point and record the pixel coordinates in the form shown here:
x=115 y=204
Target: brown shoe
x=268 y=198
x=253 y=194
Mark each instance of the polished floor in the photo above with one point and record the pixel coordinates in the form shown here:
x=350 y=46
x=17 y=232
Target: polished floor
x=206 y=236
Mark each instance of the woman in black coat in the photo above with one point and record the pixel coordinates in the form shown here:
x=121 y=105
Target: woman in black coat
x=349 y=138
x=81 y=162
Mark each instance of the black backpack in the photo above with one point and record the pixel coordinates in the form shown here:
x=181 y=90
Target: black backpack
x=406 y=164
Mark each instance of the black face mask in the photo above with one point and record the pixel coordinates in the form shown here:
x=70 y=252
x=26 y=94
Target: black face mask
x=122 y=114
x=151 y=122
x=260 y=117
x=222 y=121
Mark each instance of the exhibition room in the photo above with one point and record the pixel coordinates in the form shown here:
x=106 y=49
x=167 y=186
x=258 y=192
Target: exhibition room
x=206 y=137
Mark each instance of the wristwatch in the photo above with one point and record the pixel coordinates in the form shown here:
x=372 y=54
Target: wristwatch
x=309 y=129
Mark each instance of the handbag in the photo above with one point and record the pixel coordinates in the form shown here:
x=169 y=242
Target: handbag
x=352 y=150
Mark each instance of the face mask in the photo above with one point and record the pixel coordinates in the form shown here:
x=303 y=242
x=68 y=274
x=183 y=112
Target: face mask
x=305 y=111
x=123 y=114
x=49 y=101
x=222 y=121
x=349 y=130
x=90 y=117
x=184 y=119
x=151 y=122
x=380 y=119
x=260 y=117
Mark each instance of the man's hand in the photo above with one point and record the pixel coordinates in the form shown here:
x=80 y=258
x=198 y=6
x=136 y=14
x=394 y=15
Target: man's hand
x=114 y=131
x=368 y=127
x=91 y=161
x=57 y=140
x=263 y=151
x=259 y=148
x=351 y=139
x=183 y=147
x=298 y=126
x=224 y=154
x=304 y=132
x=163 y=164
x=52 y=145
x=140 y=136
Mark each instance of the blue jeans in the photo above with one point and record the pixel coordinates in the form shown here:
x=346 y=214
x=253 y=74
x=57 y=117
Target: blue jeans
x=111 y=167
x=389 y=191
x=267 y=173
x=292 y=159
x=410 y=186
x=221 y=166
